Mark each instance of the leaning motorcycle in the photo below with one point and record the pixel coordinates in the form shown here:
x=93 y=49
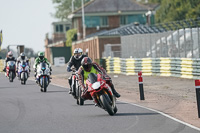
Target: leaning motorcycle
x=43 y=76
x=23 y=72
x=76 y=91
x=11 y=70
x=101 y=93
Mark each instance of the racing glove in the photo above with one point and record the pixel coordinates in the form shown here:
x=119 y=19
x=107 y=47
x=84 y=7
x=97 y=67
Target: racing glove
x=69 y=69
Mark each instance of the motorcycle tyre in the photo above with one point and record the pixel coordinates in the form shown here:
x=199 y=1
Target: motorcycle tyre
x=11 y=76
x=80 y=99
x=23 y=82
x=44 y=85
x=104 y=99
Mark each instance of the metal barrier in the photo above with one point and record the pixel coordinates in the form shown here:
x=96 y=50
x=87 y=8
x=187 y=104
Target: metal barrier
x=176 y=67
x=1 y=65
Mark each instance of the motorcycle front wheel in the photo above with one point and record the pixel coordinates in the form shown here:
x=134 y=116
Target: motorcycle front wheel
x=80 y=100
x=11 y=76
x=107 y=103
x=45 y=84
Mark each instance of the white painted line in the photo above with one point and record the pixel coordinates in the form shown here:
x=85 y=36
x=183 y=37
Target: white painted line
x=166 y=115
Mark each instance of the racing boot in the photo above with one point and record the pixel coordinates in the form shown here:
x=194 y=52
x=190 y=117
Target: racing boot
x=114 y=91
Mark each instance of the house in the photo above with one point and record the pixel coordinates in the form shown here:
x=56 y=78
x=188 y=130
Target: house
x=104 y=15
x=55 y=46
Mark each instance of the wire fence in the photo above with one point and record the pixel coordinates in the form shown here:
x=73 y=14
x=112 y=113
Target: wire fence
x=175 y=39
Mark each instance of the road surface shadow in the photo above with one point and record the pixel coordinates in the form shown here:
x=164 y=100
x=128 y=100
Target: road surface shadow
x=131 y=114
x=5 y=87
x=54 y=91
x=121 y=103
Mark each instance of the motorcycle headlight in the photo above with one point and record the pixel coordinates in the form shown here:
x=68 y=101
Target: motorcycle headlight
x=96 y=85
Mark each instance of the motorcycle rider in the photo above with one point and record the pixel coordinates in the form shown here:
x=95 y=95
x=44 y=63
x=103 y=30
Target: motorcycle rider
x=87 y=67
x=22 y=58
x=8 y=58
x=75 y=61
x=40 y=59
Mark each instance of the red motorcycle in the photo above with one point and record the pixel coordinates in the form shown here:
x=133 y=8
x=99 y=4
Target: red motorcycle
x=101 y=93
x=11 y=70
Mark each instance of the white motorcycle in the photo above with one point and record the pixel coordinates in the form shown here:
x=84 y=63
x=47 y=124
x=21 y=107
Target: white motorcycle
x=43 y=76
x=23 y=72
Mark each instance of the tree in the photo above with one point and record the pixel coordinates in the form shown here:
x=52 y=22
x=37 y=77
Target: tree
x=29 y=52
x=174 y=10
x=64 y=7
x=3 y=53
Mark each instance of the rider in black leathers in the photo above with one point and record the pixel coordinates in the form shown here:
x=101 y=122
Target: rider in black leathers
x=8 y=58
x=75 y=61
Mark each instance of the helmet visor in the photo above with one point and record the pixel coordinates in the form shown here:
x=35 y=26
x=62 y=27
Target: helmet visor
x=41 y=57
x=87 y=67
x=77 y=55
x=22 y=57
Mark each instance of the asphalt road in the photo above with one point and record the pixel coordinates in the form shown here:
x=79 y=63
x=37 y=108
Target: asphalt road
x=24 y=109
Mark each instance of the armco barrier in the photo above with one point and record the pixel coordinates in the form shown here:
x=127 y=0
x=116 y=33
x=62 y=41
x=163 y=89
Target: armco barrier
x=176 y=67
x=1 y=65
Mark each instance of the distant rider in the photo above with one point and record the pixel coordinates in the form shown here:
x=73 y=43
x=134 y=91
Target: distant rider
x=87 y=67
x=20 y=59
x=75 y=61
x=40 y=59
x=9 y=57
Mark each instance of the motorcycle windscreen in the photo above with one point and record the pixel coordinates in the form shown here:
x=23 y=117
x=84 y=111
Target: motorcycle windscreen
x=92 y=77
x=43 y=65
x=11 y=65
x=23 y=64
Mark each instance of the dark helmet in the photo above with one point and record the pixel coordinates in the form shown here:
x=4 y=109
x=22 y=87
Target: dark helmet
x=86 y=63
x=22 y=55
x=41 y=55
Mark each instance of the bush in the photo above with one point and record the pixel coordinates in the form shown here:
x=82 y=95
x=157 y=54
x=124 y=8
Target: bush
x=71 y=36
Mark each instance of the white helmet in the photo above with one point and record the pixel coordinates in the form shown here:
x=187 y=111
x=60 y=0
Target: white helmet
x=22 y=55
x=10 y=54
x=78 y=53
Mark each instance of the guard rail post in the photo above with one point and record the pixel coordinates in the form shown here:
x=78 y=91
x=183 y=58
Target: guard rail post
x=141 y=85
x=197 y=86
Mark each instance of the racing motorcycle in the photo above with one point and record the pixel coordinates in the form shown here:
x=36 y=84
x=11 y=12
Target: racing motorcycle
x=101 y=93
x=23 y=72
x=11 y=70
x=43 y=76
x=76 y=91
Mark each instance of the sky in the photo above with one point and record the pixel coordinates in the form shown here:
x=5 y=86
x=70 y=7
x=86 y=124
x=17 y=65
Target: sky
x=25 y=22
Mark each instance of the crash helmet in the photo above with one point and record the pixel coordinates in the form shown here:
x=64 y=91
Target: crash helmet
x=41 y=55
x=78 y=53
x=86 y=63
x=10 y=54
x=22 y=55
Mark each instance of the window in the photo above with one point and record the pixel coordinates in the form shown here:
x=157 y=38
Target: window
x=66 y=28
x=59 y=28
x=123 y=20
x=92 y=21
x=104 y=21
